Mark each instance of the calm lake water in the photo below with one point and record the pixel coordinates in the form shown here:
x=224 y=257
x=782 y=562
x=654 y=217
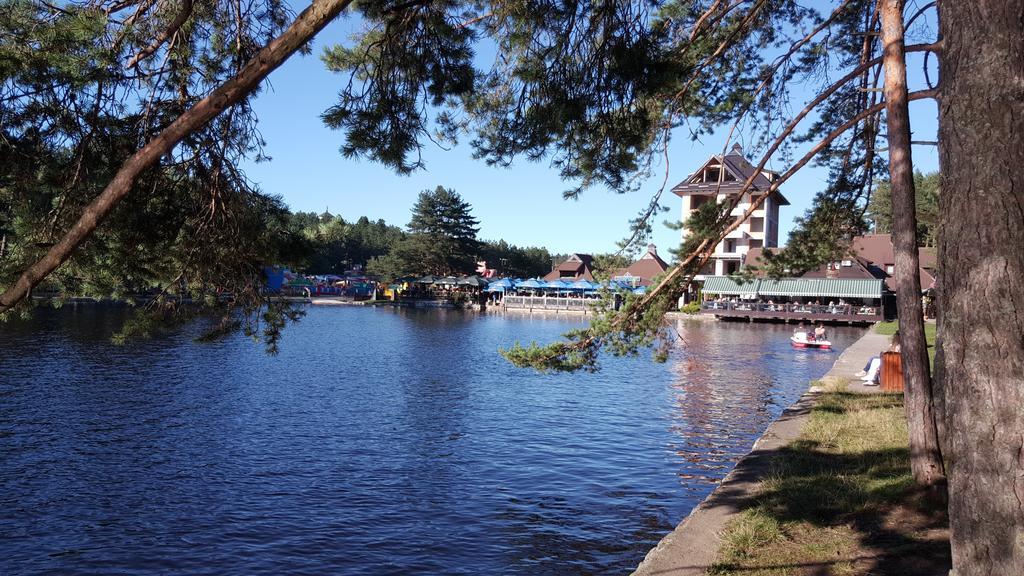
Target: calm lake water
x=376 y=442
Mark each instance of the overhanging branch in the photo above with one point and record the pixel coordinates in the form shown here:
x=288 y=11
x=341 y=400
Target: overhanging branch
x=171 y=30
x=305 y=27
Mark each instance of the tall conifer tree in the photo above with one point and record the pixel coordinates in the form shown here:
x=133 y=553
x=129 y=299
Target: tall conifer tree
x=442 y=235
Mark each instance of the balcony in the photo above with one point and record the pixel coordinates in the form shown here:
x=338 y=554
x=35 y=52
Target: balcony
x=741 y=209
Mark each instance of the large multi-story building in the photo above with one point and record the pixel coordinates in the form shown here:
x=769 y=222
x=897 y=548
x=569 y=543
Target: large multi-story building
x=722 y=178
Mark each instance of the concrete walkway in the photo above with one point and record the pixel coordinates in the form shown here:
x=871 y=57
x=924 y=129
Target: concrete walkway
x=693 y=546
x=853 y=359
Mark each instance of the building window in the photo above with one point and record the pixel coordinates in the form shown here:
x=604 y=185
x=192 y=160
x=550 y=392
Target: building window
x=732 y=267
x=730 y=245
x=757 y=224
x=756 y=243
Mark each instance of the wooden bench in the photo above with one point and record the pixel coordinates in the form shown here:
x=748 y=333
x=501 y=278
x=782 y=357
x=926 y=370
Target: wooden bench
x=892 y=372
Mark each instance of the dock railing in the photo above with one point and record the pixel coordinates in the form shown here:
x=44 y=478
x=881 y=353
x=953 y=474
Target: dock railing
x=548 y=303
x=791 y=311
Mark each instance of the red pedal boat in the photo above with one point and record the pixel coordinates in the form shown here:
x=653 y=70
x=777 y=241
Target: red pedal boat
x=803 y=340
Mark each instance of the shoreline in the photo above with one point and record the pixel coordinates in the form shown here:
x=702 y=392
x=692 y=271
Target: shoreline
x=693 y=546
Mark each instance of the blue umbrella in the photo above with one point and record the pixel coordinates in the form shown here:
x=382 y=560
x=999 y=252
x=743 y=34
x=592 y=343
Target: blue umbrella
x=557 y=284
x=500 y=285
x=584 y=284
x=474 y=281
x=627 y=280
x=531 y=283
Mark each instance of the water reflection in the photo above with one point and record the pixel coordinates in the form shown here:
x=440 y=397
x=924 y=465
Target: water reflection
x=730 y=382
x=381 y=441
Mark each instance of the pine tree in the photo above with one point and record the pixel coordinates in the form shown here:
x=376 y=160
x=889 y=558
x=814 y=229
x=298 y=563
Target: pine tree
x=442 y=235
x=927 y=188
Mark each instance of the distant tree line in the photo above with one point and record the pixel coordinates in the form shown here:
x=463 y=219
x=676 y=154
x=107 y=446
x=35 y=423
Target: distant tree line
x=927 y=201
x=440 y=239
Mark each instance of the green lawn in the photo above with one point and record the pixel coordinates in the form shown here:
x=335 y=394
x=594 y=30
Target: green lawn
x=889 y=328
x=829 y=506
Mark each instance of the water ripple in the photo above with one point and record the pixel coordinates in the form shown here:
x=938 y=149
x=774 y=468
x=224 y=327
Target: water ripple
x=378 y=441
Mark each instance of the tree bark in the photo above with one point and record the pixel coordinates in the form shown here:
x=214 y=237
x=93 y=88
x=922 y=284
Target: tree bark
x=925 y=455
x=980 y=360
x=302 y=30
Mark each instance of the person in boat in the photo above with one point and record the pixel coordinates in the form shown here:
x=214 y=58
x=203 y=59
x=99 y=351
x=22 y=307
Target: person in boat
x=800 y=333
x=819 y=332
x=872 y=369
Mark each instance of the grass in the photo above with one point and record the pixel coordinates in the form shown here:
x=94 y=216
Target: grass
x=840 y=500
x=890 y=328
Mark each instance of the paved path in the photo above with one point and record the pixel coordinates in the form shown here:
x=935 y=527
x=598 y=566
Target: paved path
x=693 y=546
x=853 y=359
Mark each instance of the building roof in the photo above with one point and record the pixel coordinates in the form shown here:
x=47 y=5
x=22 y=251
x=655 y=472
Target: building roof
x=927 y=279
x=648 y=266
x=879 y=253
x=871 y=256
x=738 y=168
x=875 y=248
x=579 y=265
x=852 y=268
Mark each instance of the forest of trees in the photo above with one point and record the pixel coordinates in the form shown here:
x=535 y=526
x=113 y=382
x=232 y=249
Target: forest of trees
x=440 y=239
x=879 y=210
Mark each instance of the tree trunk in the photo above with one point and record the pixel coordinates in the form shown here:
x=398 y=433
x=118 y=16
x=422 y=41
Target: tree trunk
x=301 y=31
x=980 y=360
x=925 y=456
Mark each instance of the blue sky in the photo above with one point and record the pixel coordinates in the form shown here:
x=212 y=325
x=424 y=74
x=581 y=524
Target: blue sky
x=521 y=204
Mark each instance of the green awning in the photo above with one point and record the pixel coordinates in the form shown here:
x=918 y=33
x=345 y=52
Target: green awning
x=726 y=286
x=821 y=287
x=795 y=287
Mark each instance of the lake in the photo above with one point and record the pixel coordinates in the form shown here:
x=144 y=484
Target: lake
x=379 y=441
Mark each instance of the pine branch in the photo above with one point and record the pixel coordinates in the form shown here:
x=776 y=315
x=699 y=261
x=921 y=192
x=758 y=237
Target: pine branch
x=305 y=27
x=171 y=30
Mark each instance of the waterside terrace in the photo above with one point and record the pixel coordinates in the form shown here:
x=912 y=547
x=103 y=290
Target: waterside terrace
x=850 y=313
